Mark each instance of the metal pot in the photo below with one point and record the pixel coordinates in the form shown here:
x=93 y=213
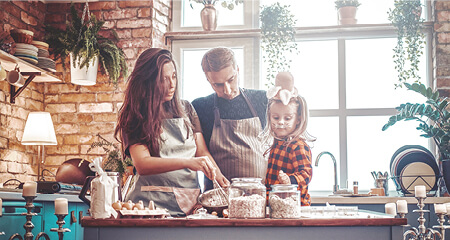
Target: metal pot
x=74 y=171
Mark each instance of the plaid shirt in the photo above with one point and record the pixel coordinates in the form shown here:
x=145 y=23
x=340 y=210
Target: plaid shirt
x=295 y=160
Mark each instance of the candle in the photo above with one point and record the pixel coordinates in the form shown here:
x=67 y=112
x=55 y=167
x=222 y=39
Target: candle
x=402 y=206
x=29 y=189
x=61 y=206
x=390 y=209
x=1 y=207
x=419 y=191
x=440 y=208
x=447 y=206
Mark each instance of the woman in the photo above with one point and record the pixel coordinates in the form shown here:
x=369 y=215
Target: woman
x=162 y=135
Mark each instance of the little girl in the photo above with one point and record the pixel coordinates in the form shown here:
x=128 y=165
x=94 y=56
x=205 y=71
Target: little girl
x=290 y=156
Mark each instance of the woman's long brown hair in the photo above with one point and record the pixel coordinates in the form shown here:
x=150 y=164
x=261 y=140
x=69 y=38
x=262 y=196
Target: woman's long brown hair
x=144 y=109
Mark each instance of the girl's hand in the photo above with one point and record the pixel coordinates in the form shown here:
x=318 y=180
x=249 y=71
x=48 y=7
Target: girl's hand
x=283 y=178
x=202 y=164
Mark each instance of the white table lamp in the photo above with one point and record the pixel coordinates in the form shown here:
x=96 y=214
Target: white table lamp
x=39 y=131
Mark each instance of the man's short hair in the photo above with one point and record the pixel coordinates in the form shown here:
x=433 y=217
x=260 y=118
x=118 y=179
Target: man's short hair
x=217 y=59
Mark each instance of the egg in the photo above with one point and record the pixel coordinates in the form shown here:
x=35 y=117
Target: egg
x=117 y=205
x=128 y=205
x=139 y=205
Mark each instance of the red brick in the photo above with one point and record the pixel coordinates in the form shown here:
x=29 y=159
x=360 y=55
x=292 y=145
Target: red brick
x=135 y=43
x=443 y=16
x=120 y=14
x=30 y=20
x=57 y=8
x=163 y=9
x=134 y=23
x=107 y=5
x=22 y=4
x=141 y=33
x=123 y=33
x=128 y=4
x=144 y=12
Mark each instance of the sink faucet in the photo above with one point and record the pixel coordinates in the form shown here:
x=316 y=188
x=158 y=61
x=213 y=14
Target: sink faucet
x=336 y=186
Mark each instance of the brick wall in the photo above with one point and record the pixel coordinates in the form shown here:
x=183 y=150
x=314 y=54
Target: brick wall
x=442 y=46
x=78 y=112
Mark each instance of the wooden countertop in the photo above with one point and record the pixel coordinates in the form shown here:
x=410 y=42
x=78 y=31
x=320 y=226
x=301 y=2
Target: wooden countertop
x=373 y=200
x=225 y=222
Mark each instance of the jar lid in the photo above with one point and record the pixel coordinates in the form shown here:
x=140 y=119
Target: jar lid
x=284 y=187
x=246 y=180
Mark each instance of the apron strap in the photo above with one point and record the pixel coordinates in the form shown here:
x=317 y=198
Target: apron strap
x=217 y=112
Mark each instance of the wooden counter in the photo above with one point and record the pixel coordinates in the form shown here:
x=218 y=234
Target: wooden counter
x=258 y=229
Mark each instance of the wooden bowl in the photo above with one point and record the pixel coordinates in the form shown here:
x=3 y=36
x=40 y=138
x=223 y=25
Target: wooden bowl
x=74 y=171
x=22 y=36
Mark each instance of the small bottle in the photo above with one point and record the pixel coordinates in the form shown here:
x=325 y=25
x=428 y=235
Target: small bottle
x=355 y=187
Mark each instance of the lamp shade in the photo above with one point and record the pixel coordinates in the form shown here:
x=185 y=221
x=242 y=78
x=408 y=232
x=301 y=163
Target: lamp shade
x=39 y=129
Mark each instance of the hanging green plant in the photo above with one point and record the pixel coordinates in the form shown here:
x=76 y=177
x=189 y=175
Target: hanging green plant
x=83 y=40
x=410 y=40
x=278 y=38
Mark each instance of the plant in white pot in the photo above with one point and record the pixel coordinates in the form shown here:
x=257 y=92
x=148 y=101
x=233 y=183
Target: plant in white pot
x=347 y=11
x=86 y=47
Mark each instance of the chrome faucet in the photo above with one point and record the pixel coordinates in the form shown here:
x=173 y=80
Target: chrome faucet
x=336 y=186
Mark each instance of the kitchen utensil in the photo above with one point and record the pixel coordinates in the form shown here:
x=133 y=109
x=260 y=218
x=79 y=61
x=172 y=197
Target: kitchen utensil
x=221 y=195
x=208 y=201
x=417 y=173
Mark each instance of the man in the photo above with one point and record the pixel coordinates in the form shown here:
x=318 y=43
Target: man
x=231 y=118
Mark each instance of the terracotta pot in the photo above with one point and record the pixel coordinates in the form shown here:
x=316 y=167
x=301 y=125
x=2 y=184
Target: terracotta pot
x=209 y=17
x=347 y=15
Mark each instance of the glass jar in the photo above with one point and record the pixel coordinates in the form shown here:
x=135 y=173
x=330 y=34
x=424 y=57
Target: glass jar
x=284 y=201
x=247 y=197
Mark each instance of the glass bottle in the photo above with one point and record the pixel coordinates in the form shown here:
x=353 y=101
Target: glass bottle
x=247 y=197
x=284 y=201
x=355 y=187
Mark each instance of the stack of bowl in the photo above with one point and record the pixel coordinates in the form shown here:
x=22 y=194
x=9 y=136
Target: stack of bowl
x=24 y=49
x=43 y=56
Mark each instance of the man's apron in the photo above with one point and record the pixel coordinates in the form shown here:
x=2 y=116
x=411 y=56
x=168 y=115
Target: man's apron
x=235 y=146
x=178 y=190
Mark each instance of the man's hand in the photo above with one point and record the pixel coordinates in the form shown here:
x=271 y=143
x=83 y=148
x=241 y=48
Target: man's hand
x=283 y=178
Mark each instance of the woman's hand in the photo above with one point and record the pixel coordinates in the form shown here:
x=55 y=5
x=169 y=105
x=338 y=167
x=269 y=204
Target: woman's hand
x=202 y=164
x=283 y=178
x=221 y=179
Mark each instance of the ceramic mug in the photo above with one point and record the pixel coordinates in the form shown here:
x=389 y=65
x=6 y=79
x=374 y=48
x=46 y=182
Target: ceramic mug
x=377 y=191
x=15 y=78
x=2 y=73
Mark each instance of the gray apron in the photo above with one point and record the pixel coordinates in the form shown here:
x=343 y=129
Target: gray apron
x=235 y=146
x=177 y=191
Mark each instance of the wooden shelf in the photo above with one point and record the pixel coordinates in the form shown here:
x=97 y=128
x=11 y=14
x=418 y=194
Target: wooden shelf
x=29 y=70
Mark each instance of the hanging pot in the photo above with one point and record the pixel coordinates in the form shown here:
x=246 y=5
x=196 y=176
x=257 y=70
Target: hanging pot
x=209 y=17
x=86 y=76
x=347 y=15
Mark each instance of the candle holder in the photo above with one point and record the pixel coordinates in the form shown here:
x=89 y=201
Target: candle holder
x=29 y=224
x=60 y=223
x=401 y=215
x=421 y=233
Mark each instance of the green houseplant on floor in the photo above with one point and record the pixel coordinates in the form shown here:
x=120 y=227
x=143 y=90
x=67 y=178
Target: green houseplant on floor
x=83 y=41
x=406 y=18
x=278 y=38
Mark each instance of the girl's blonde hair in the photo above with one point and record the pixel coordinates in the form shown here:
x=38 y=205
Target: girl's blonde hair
x=300 y=130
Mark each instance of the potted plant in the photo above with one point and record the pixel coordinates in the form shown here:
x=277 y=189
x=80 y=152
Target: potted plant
x=208 y=14
x=405 y=16
x=113 y=161
x=83 y=42
x=278 y=38
x=434 y=121
x=347 y=11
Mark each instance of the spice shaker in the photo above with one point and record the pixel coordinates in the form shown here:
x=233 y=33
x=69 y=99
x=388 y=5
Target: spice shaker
x=355 y=187
x=284 y=201
x=247 y=198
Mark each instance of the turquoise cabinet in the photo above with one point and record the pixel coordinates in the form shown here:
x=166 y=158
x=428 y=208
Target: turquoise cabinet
x=12 y=220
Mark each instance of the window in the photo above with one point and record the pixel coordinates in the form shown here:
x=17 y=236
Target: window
x=347 y=76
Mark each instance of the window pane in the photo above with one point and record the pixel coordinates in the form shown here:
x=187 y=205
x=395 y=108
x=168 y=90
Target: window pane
x=371 y=75
x=319 y=87
x=225 y=17
x=193 y=81
x=370 y=149
x=326 y=130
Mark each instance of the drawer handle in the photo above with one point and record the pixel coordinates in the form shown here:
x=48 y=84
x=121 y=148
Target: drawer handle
x=73 y=219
